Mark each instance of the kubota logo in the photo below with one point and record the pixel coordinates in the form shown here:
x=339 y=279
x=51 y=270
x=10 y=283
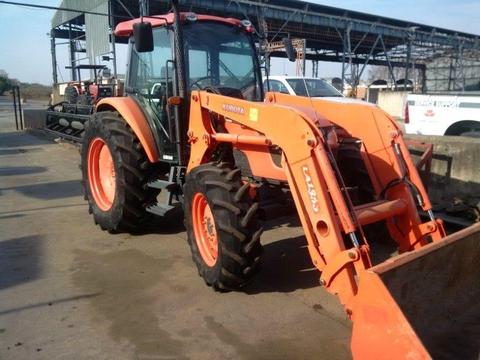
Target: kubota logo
x=233 y=109
x=312 y=193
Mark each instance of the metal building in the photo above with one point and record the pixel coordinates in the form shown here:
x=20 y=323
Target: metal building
x=441 y=59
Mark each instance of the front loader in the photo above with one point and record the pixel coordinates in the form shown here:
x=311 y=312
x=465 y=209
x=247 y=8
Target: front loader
x=197 y=131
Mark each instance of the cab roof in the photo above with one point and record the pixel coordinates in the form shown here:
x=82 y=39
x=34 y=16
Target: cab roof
x=125 y=28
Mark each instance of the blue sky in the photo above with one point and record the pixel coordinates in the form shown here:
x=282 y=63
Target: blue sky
x=25 y=45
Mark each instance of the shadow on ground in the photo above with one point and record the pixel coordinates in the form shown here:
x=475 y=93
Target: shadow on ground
x=11 y=216
x=20 y=212
x=17 y=151
x=291 y=220
x=21 y=170
x=286 y=267
x=49 y=303
x=169 y=225
x=20 y=260
x=22 y=139
x=50 y=191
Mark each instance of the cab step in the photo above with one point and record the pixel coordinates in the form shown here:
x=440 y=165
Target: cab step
x=163 y=185
x=163 y=209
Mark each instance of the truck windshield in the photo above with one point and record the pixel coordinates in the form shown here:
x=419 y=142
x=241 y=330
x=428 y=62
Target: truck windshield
x=222 y=57
x=315 y=88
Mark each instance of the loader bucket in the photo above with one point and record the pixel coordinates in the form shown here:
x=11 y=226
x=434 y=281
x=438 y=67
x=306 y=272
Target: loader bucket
x=423 y=304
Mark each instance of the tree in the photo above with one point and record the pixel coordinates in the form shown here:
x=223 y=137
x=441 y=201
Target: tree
x=383 y=73
x=5 y=84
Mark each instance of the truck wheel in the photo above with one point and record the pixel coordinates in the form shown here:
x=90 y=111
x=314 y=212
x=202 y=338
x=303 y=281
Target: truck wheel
x=222 y=229
x=115 y=173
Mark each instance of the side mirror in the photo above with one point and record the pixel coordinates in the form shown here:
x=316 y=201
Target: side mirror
x=289 y=49
x=143 y=36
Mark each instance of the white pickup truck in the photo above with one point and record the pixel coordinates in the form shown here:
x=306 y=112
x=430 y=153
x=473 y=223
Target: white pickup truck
x=443 y=115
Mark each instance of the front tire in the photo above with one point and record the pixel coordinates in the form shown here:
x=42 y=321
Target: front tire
x=222 y=228
x=115 y=172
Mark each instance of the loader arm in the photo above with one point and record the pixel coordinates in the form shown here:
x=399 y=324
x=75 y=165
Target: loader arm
x=325 y=213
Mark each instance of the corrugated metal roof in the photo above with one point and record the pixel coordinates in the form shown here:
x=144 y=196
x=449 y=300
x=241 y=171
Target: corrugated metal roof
x=97 y=32
x=61 y=16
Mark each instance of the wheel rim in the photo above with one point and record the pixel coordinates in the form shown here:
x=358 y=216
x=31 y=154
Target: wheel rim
x=204 y=229
x=101 y=174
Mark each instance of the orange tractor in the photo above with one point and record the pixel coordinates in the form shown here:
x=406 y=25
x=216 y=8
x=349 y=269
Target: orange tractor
x=196 y=125
x=67 y=118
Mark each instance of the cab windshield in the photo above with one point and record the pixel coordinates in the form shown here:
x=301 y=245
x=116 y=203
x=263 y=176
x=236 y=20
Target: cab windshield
x=314 y=88
x=222 y=57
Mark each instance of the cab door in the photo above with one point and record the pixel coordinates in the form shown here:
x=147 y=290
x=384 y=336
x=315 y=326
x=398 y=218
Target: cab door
x=150 y=80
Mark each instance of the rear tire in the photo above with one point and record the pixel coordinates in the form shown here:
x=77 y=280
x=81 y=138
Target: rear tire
x=126 y=210
x=235 y=232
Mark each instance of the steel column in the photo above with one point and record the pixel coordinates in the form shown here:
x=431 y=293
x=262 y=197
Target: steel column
x=53 y=51
x=314 y=68
x=72 y=53
x=304 y=60
x=407 y=63
x=113 y=40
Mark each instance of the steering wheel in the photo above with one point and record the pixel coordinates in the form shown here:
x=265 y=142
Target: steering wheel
x=195 y=83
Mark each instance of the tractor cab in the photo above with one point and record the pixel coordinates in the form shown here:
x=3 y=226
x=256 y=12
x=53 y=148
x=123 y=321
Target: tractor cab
x=219 y=56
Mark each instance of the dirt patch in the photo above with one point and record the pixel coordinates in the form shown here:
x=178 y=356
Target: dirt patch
x=281 y=348
x=123 y=279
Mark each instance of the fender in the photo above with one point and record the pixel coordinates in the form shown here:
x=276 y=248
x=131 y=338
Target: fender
x=133 y=115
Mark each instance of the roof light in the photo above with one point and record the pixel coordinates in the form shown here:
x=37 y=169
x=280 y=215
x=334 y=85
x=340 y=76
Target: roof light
x=192 y=17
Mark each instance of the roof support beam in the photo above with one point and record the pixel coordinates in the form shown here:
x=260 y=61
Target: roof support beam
x=334 y=58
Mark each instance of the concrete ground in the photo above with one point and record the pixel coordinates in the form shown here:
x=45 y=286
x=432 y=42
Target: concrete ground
x=71 y=291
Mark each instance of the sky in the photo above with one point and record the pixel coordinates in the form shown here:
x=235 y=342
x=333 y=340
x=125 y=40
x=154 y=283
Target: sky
x=25 y=43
